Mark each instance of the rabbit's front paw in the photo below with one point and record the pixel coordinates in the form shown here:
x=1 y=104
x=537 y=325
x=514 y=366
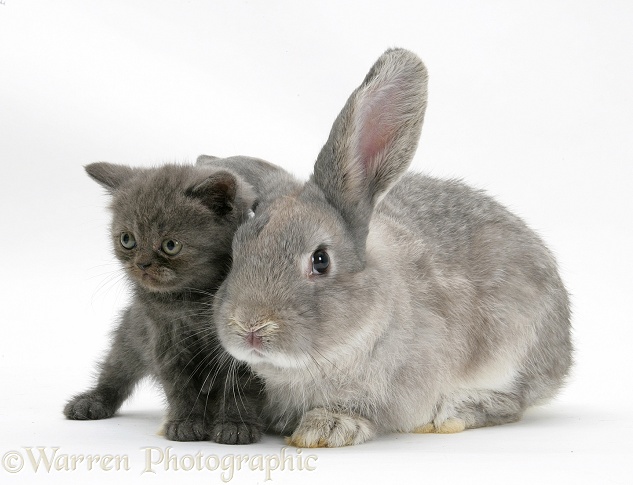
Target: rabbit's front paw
x=236 y=432
x=320 y=428
x=89 y=405
x=188 y=429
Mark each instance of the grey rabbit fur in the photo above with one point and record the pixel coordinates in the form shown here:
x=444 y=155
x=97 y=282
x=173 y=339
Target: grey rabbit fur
x=172 y=229
x=371 y=300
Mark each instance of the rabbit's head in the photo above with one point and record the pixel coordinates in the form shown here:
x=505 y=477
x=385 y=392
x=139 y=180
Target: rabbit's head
x=301 y=278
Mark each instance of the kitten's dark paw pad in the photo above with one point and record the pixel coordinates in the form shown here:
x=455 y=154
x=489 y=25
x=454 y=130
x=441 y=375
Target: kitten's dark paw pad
x=88 y=406
x=189 y=429
x=236 y=432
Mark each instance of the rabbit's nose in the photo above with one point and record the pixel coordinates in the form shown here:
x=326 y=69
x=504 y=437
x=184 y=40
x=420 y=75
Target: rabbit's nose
x=254 y=340
x=255 y=333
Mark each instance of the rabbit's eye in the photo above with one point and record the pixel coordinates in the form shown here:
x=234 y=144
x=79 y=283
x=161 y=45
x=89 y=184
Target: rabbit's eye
x=127 y=240
x=320 y=261
x=171 y=247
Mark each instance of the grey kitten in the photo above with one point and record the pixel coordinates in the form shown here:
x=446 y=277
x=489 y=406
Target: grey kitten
x=172 y=229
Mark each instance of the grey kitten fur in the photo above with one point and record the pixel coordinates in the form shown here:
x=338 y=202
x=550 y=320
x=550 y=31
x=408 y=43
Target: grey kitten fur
x=177 y=222
x=373 y=301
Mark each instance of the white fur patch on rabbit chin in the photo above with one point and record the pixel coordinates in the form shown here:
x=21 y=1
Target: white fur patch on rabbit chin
x=262 y=359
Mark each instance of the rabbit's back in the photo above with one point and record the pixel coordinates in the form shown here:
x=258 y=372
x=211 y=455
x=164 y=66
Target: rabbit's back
x=466 y=231
x=495 y=282
x=452 y=218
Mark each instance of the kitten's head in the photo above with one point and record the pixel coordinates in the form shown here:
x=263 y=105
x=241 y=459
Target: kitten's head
x=172 y=226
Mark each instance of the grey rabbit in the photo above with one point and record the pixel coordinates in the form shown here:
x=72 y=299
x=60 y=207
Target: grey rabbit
x=371 y=300
x=171 y=230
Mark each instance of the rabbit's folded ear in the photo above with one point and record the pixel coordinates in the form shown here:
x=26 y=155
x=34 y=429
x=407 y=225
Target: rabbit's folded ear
x=205 y=159
x=224 y=193
x=374 y=138
x=110 y=175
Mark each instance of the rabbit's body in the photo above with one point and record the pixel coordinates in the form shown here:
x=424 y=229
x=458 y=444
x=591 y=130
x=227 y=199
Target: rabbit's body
x=453 y=332
x=371 y=301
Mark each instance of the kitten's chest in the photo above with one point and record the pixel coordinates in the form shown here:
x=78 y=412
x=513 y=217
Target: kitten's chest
x=180 y=331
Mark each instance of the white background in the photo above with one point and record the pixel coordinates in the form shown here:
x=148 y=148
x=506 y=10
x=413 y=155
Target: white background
x=530 y=100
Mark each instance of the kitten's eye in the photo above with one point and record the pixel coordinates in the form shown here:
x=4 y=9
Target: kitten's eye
x=171 y=247
x=127 y=240
x=320 y=261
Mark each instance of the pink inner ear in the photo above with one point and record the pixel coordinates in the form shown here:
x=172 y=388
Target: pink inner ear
x=377 y=125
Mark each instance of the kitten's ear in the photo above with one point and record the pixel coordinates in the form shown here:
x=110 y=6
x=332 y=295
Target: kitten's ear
x=225 y=194
x=110 y=175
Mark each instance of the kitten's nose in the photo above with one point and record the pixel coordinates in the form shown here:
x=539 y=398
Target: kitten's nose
x=143 y=266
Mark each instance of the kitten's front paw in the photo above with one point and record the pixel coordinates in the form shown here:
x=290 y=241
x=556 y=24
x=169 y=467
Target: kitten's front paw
x=89 y=405
x=188 y=429
x=236 y=432
x=320 y=428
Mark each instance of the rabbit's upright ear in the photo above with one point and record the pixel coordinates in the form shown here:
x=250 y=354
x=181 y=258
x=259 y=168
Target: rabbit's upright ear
x=374 y=138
